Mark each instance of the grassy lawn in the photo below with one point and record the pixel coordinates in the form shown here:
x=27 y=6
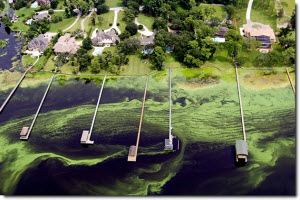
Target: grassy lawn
x=241 y=17
x=119 y=20
x=147 y=20
x=41 y=63
x=49 y=64
x=288 y=6
x=114 y=3
x=60 y=5
x=111 y=49
x=19 y=25
x=260 y=13
x=172 y=62
x=28 y=60
x=77 y=25
x=107 y=19
x=65 y=23
x=220 y=10
x=135 y=66
x=68 y=68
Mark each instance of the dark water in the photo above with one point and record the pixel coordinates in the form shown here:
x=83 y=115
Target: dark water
x=12 y=51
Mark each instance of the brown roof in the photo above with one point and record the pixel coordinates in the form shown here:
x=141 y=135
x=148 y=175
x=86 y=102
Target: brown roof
x=66 y=44
x=254 y=32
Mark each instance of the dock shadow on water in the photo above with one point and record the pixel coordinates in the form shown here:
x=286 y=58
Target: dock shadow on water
x=206 y=119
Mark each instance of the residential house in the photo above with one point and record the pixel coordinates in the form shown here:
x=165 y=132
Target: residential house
x=44 y=2
x=265 y=41
x=10 y=1
x=11 y=13
x=41 y=16
x=147 y=40
x=40 y=43
x=222 y=31
x=66 y=44
x=265 y=30
x=107 y=39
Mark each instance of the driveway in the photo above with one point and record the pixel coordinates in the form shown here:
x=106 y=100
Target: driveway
x=146 y=32
x=76 y=20
x=116 y=10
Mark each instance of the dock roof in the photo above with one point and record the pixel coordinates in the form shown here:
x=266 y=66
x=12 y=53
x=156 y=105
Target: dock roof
x=241 y=147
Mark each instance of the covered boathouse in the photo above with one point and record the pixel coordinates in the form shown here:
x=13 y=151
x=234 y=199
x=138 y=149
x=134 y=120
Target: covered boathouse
x=241 y=150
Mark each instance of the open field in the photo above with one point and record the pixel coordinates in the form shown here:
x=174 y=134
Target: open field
x=107 y=19
x=114 y=3
x=135 y=66
x=147 y=20
x=260 y=13
x=172 y=62
x=220 y=10
x=65 y=23
x=28 y=60
x=50 y=65
x=20 y=25
x=241 y=17
x=121 y=22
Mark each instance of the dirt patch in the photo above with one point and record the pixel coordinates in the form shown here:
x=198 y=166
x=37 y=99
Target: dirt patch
x=264 y=81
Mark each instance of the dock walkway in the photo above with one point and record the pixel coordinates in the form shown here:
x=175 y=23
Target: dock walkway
x=24 y=135
x=86 y=135
x=15 y=88
x=134 y=149
x=241 y=105
x=288 y=73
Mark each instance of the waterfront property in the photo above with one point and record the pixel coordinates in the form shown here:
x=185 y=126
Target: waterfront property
x=66 y=44
x=222 y=31
x=40 y=43
x=265 y=30
x=42 y=16
x=146 y=40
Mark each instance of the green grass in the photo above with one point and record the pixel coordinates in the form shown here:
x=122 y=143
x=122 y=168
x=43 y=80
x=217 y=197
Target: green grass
x=147 y=20
x=256 y=26
x=111 y=49
x=65 y=23
x=28 y=60
x=107 y=19
x=114 y=3
x=241 y=17
x=68 y=68
x=135 y=66
x=220 y=10
x=259 y=13
x=77 y=25
x=172 y=62
x=50 y=65
x=121 y=22
x=60 y=5
x=19 y=25
x=40 y=63
x=288 y=6
x=179 y=8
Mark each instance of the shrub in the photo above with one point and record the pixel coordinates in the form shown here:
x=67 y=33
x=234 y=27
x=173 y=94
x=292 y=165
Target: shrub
x=118 y=24
x=141 y=27
x=51 y=11
x=110 y=24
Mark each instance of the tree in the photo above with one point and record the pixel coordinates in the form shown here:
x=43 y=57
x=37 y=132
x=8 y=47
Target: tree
x=192 y=3
x=50 y=11
x=254 y=45
x=131 y=28
x=95 y=65
x=233 y=48
x=230 y=11
x=102 y=9
x=84 y=61
x=128 y=15
x=158 y=58
x=100 y=20
x=61 y=59
x=280 y=13
x=293 y=20
x=289 y=55
x=54 y=4
x=160 y=23
x=232 y=35
x=87 y=43
x=94 y=16
x=129 y=45
x=125 y=34
x=2 y=5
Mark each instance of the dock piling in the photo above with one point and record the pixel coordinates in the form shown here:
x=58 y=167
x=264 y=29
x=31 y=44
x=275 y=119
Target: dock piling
x=15 y=88
x=86 y=135
x=288 y=73
x=24 y=136
x=134 y=149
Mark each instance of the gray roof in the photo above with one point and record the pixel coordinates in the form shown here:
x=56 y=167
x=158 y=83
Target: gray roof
x=241 y=147
x=101 y=36
x=11 y=13
x=38 y=43
x=41 y=16
x=222 y=31
x=146 y=40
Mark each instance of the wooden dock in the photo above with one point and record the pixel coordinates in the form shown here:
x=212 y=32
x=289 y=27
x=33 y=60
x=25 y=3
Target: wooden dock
x=241 y=105
x=15 y=88
x=86 y=135
x=24 y=135
x=134 y=149
x=288 y=73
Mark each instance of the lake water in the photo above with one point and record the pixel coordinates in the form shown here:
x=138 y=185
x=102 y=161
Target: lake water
x=205 y=117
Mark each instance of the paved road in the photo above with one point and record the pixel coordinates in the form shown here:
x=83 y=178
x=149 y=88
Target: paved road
x=76 y=20
x=248 y=14
x=116 y=10
x=146 y=32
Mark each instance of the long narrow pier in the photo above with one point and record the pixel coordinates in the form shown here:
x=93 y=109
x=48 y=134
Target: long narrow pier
x=15 y=88
x=134 y=149
x=287 y=70
x=241 y=105
x=86 y=135
x=24 y=135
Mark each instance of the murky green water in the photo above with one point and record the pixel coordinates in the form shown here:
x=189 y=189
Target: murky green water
x=205 y=116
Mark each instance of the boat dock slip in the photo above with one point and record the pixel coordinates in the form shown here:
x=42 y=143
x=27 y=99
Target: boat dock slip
x=86 y=135
x=133 y=149
x=24 y=135
x=287 y=70
x=241 y=147
x=13 y=91
x=169 y=142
